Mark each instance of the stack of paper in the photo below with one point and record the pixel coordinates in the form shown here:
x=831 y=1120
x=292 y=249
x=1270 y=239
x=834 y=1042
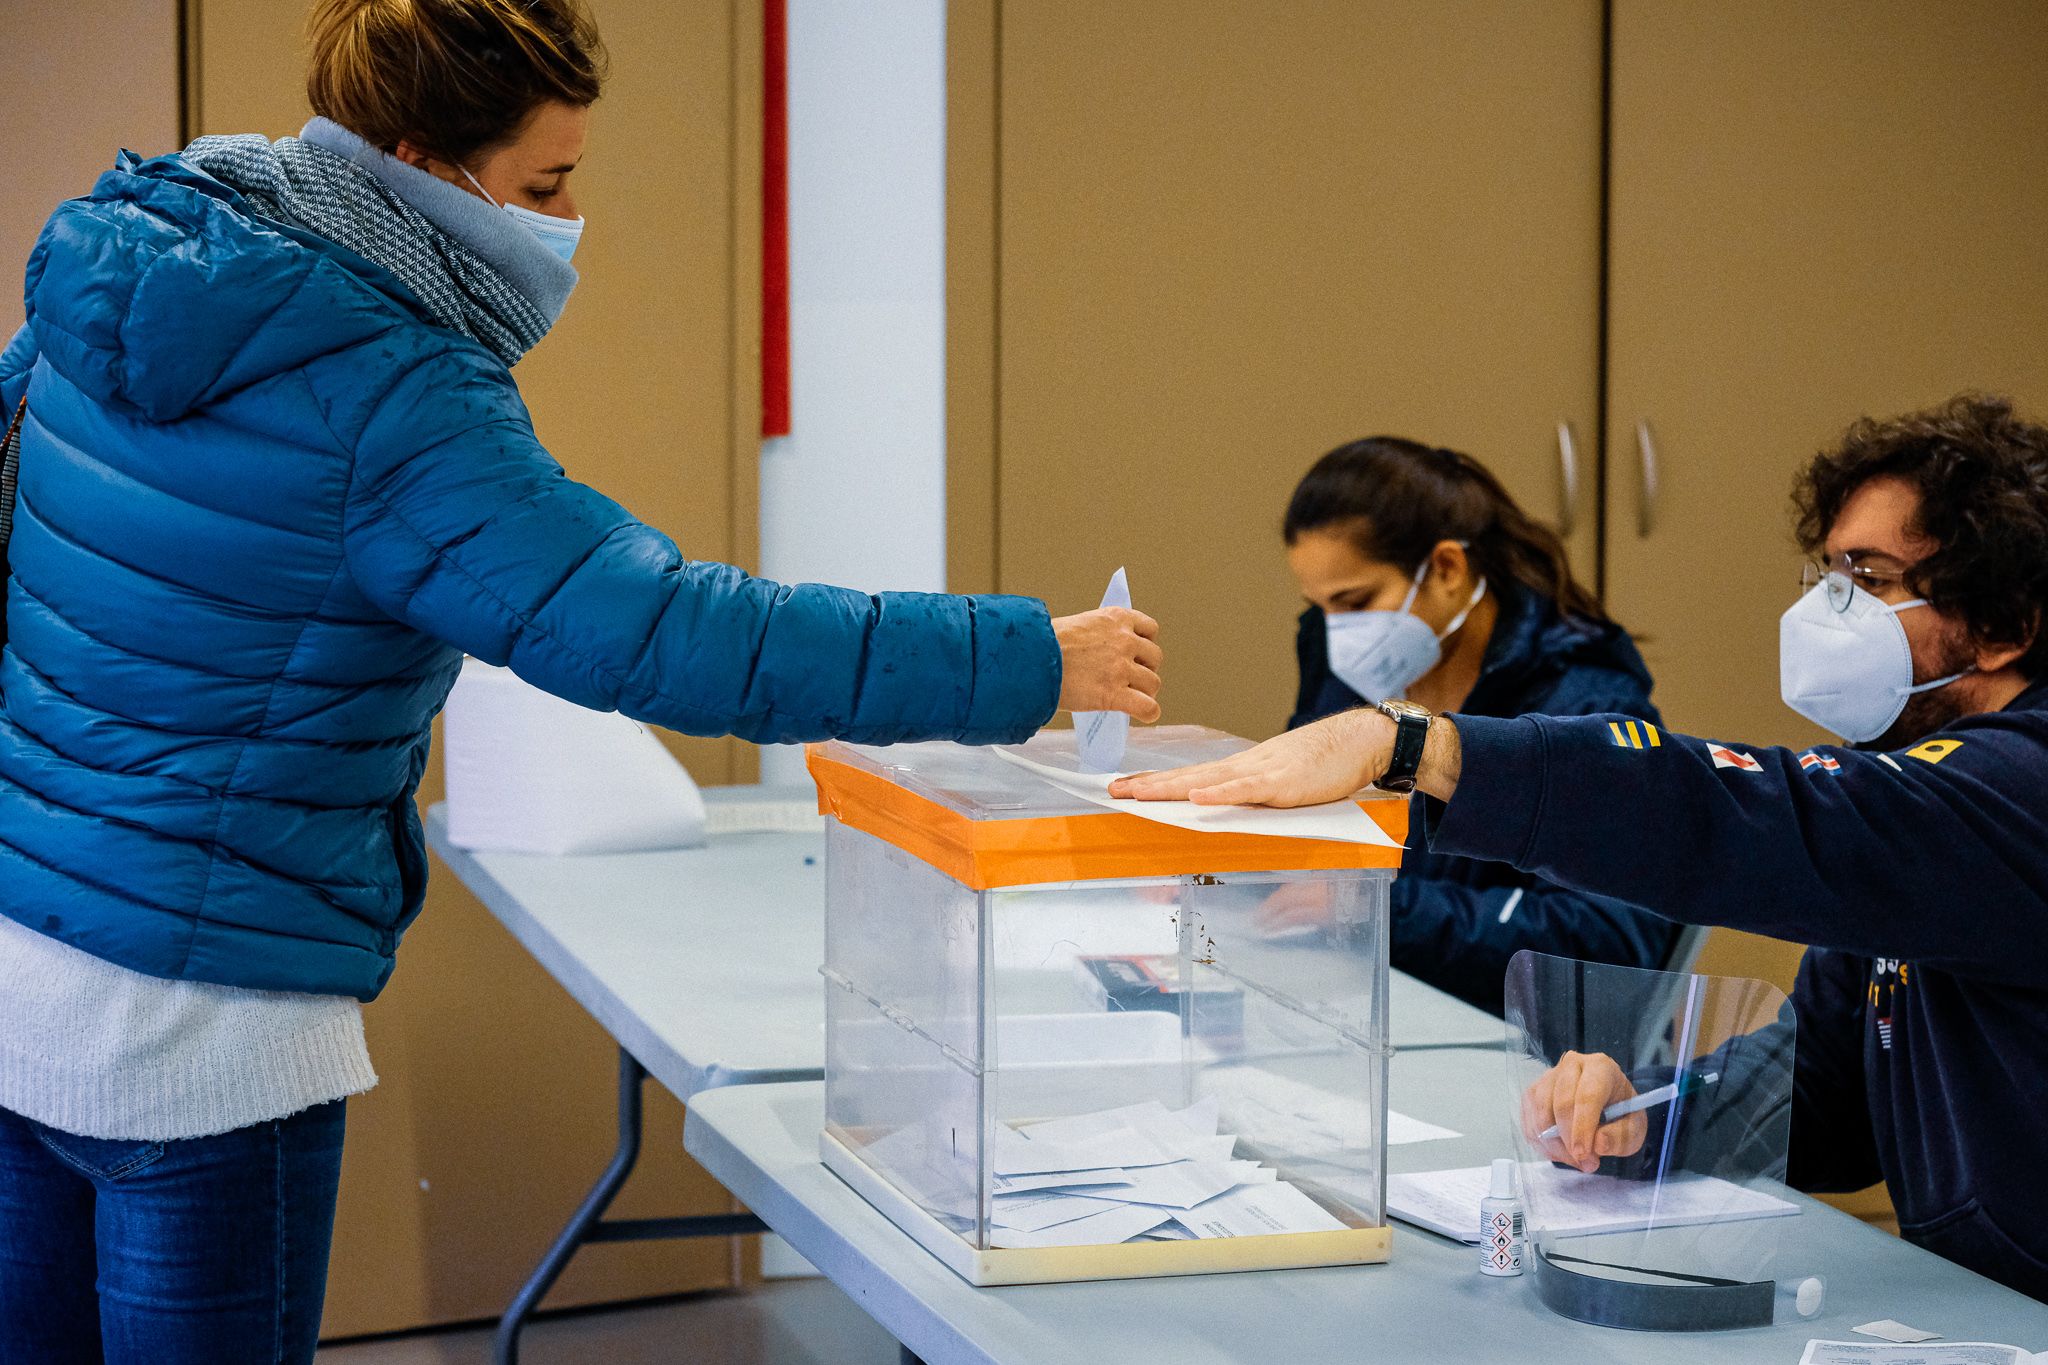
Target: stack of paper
x=1943 y=1353
x=1139 y=1172
x=1572 y=1203
x=531 y=773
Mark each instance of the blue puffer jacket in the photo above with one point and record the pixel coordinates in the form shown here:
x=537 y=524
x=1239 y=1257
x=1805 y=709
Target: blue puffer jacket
x=264 y=509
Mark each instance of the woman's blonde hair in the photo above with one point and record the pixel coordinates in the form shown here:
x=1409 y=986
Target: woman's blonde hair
x=455 y=77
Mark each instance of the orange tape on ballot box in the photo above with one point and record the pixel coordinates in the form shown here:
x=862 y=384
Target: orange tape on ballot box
x=983 y=854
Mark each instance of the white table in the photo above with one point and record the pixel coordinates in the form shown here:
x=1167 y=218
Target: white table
x=1428 y=1304
x=703 y=965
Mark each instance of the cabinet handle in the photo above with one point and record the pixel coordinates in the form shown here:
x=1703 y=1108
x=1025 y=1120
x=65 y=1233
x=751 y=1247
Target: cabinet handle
x=1568 y=475
x=1646 y=493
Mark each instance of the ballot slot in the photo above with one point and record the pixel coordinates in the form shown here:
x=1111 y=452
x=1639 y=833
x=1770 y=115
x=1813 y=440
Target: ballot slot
x=1093 y=1076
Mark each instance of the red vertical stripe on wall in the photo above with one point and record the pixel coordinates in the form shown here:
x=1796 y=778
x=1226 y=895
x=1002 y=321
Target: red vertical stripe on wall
x=775 y=221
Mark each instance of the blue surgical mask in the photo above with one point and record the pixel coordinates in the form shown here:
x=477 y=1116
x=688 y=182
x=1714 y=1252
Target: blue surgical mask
x=558 y=235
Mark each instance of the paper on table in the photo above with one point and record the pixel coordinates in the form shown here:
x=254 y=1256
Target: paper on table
x=1101 y=735
x=1891 y=1329
x=1402 y=1129
x=1295 y=1116
x=1575 y=1204
x=531 y=773
x=1256 y=1210
x=1116 y=1223
x=1338 y=821
x=1942 y=1353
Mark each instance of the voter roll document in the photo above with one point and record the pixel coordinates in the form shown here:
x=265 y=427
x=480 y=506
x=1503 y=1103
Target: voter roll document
x=1102 y=735
x=1918 y=1353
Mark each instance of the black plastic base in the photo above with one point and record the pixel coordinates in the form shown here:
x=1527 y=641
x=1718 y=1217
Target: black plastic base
x=1696 y=1306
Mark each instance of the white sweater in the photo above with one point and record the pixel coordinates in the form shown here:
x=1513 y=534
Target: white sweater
x=95 y=1049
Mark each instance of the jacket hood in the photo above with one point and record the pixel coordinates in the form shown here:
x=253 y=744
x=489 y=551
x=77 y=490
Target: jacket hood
x=161 y=291
x=1532 y=632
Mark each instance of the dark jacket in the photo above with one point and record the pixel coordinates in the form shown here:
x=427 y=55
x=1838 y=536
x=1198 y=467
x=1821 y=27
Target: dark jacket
x=1457 y=921
x=1922 y=880
x=265 y=507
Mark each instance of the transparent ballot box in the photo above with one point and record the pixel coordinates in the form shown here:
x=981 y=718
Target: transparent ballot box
x=1070 y=1042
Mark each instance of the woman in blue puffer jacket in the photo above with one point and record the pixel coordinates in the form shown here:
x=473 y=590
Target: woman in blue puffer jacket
x=275 y=479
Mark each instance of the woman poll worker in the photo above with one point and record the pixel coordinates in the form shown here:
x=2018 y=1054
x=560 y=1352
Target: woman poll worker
x=1426 y=581
x=1914 y=858
x=275 y=480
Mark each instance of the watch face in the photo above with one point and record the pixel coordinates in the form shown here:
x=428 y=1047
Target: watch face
x=1397 y=708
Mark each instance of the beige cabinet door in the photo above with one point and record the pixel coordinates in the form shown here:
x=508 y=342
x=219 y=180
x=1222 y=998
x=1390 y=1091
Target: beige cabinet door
x=1818 y=211
x=104 y=75
x=1192 y=246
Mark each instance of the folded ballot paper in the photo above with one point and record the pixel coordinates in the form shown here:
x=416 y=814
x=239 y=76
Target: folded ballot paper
x=1137 y=1173
x=531 y=773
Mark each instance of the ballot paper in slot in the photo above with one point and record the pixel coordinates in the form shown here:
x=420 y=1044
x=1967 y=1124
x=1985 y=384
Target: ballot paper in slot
x=1038 y=1008
x=531 y=773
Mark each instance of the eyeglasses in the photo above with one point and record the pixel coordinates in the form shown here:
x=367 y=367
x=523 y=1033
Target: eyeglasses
x=1843 y=576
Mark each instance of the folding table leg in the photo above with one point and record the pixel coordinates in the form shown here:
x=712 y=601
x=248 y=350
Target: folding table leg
x=589 y=1224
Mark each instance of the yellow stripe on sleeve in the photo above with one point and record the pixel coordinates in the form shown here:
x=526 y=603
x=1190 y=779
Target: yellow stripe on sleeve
x=1651 y=731
x=1619 y=738
x=1635 y=736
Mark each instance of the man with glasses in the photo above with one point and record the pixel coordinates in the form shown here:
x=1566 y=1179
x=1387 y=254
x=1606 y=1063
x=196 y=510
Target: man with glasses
x=1915 y=859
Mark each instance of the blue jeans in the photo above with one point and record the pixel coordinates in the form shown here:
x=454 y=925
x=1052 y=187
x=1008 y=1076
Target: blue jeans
x=207 y=1251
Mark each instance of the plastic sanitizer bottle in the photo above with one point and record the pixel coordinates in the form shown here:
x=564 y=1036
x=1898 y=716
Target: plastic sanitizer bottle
x=1500 y=1224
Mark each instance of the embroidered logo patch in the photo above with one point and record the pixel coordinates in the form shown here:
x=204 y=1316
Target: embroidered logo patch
x=1635 y=734
x=1729 y=758
x=1934 y=750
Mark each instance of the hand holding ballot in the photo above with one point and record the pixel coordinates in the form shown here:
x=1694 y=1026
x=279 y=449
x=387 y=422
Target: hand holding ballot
x=1561 y=1111
x=1111 y=658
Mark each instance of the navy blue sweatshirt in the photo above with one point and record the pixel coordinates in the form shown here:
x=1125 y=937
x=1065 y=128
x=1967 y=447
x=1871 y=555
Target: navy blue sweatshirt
x=1920 y=876
x=1448 y=927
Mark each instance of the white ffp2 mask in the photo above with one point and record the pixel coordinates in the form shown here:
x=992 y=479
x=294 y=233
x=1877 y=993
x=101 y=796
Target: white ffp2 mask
x=1849 y=670
x=1381 y=654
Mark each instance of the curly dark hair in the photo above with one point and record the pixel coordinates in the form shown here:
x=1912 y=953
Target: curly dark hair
x=1982 y=475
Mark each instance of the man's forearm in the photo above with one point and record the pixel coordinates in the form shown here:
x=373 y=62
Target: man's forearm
x=1442 y=760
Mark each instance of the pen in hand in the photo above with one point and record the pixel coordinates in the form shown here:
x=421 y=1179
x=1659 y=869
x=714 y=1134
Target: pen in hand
x=1621 y=1109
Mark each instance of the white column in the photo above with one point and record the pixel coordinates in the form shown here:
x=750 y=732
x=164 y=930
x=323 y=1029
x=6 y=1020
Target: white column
x=856 y=494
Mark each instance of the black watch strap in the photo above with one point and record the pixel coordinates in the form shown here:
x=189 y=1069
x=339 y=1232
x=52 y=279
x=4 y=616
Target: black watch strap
x=1411 y=732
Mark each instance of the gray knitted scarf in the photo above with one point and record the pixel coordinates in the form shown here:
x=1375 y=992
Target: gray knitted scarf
x=310 y=187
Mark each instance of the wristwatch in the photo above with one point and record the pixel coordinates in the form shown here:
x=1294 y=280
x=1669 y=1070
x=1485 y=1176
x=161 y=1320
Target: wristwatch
x=1411 y=730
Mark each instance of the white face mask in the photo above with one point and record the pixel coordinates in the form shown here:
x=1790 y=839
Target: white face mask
x=558 y=235
x=1381 y=654
x=1849 y=670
